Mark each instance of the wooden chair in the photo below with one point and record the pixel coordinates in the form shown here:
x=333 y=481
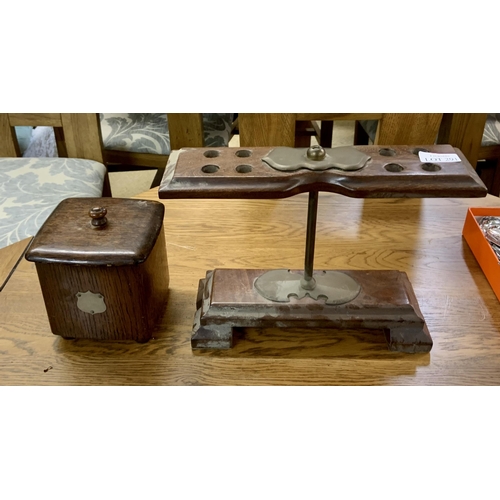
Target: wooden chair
x=185 y=130
x=465 y=131
x=174 y=129
x=489 y=154
x=279 y=129
x=32 y=187
x=77 y=135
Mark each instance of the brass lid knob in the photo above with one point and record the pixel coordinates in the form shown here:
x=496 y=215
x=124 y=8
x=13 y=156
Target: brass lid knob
x=98 y=217
x=316 y=153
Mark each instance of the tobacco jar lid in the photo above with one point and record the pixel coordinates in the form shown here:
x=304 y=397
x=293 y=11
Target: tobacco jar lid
x=98 y=231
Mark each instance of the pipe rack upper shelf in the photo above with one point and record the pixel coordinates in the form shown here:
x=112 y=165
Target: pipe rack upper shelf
x=391 y=172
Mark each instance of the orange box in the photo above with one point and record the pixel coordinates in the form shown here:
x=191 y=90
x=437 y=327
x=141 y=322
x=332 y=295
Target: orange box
x=481 y=248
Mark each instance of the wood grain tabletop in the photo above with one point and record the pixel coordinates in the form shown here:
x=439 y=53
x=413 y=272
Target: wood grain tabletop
x=422 y=237
x=10 y=258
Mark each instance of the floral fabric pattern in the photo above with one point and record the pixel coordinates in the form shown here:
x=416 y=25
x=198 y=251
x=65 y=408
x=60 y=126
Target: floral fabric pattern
x=137 y=132
x=30 y=189
x=370 y=127
x=491 y=134
x=148 y=132
x=217 y=129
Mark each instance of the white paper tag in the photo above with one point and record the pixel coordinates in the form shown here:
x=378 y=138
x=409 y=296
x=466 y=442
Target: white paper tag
x=437 y=158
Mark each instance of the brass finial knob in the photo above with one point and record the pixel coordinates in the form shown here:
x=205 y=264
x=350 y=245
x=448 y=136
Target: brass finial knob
x=98 y=217
x=316 y=153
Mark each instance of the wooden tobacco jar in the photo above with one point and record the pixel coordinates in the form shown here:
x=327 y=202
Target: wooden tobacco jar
x=102 y=266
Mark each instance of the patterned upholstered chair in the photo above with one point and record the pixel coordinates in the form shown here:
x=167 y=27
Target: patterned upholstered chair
x=128 y=141
x=490 y=144
x=141 y=140
x=146 y=139
x=30 y=188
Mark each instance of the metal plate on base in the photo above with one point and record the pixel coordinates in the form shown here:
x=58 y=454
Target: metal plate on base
x=333 y=287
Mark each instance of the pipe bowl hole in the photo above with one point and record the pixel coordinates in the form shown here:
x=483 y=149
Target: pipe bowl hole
x=415 y=151
x=211 y=154
x=430 y=167
x=393 y=167
x=243 y=153
x=244 y=169
x=209 y=169
x=387 y=152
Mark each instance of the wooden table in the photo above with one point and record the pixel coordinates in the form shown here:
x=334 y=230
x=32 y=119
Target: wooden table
x=419 y=236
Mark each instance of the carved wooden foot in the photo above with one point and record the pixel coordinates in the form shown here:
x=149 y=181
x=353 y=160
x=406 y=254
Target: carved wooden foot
x=211 y=336
x=408 y=339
